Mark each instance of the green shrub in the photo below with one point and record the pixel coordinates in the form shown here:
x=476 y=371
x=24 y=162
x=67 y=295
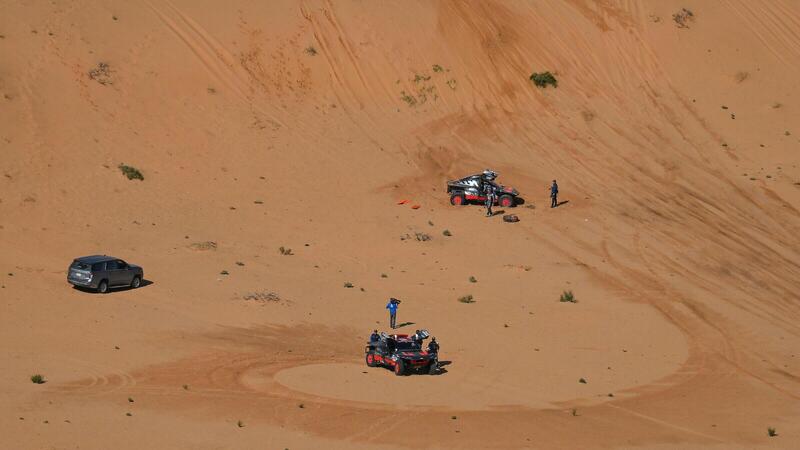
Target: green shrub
x=466 y=299
x=473 y=280
x=348 y=284
x=38 y=379
x=567 y=296
x=437 y=68
x=447 y=233
x=131 y=172
x=543 y=79
x=771 y=432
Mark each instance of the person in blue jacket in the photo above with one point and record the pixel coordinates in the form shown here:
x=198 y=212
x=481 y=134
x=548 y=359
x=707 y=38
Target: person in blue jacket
x=392 y=307
x=554 y=194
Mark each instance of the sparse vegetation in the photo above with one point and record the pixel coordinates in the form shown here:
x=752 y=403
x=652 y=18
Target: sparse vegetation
x=437 y=68
x=574 y=412
x=185 y=387
x=262 y=297
x=422 y=237
x=130 y=400
x=418 y=78
x=383 y=275
x=301 y=406
x=311 y=51
x=447 y=233
x=582 y=381
x=451 y=83
x=543 y=79
x=741 y=76
x=409 y=99
x=240 y=424
x=348 y=284
x=38 y=379
x=466 y=299
x=131 y=172
x=211 y=90
x=128 y=414
x=683 y=17
x=473 y=279
x=101 y=74
x=771 y=432
x=285 y=251
x=567 y=296
x=224 y=272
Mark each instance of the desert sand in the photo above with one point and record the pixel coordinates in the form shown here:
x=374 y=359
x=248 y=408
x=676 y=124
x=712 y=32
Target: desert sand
x=302 y=124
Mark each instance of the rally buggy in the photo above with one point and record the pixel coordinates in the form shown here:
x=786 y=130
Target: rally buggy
x=471 y=189
x=402 y=354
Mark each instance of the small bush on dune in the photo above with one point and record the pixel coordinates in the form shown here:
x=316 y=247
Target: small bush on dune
x=543 y=79
x=38 y=379
x=771 y=432
x=567 y=296
x=131 y=172
x=466 y=299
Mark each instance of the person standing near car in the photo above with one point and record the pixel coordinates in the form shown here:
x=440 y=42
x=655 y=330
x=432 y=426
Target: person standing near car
x=392 y=307
x=433 y=347
x=554 y=194
x=491 y=196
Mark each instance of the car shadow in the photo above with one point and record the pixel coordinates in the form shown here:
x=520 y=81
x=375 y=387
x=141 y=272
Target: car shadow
x=145 y=283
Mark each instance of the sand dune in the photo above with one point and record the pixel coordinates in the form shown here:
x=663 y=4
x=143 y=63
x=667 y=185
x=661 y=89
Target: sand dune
x=301 y=124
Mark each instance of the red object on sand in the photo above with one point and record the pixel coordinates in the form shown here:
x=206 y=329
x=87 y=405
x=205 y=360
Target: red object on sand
x=402 y=202
x=415 y=207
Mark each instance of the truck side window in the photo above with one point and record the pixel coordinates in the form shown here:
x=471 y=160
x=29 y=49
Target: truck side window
x=98 y=267
x=112 y=265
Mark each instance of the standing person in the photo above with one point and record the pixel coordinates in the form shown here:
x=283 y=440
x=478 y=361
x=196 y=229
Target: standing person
x=392 y=307
x=433 y=347
x=491 y=196
x=554 y=194
x=374 y=337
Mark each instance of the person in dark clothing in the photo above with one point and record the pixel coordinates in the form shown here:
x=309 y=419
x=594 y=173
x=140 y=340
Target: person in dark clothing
x=392 y=307
x=433 y=347
x=491 y=196
x=554 y=194
x=417 y=339
x=374 y=337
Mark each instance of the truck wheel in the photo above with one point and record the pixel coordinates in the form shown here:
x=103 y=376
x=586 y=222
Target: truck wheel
x=371 y=360
x=458 y=200
x=136 y=282
x=400 y=368
x=102 y=287
x=506 y=201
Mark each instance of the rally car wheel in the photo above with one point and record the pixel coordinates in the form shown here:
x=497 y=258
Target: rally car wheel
x=371 y=360
x=399 y=368
x=458 y=200
x=506 y=201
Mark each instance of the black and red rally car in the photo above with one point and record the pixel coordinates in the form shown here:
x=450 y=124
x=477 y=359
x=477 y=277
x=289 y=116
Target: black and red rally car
x=401 y=353
x=471 y=189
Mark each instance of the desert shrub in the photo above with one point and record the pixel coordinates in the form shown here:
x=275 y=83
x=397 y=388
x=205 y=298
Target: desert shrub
x=466 y=299
x=682 y=17
x=311 y=51
x=582 y=381
x=38 y=379
x=437 y=68
x=240 y=424
x=473 y=280
x=543 y=79
x=422 y=237
x=101 y=74
x=447 y=233
x=348 y=284
x=131 y=172
x=567 y=296
x=408 y=98
x=285 y=251
x=771 y=432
